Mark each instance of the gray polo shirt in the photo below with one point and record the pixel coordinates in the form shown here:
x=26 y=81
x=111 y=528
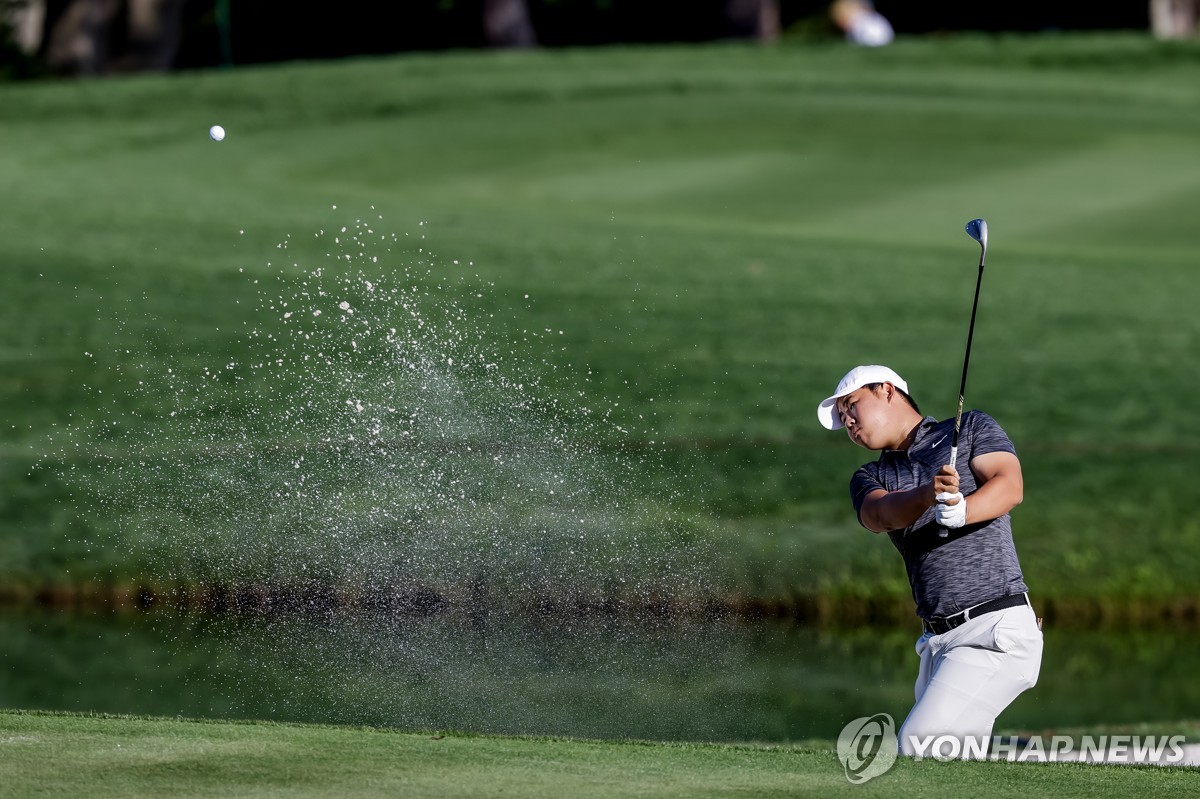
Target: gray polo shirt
x=974 y=563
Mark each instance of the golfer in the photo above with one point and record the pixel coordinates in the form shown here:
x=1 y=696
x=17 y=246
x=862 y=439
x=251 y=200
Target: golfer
x=982 y=645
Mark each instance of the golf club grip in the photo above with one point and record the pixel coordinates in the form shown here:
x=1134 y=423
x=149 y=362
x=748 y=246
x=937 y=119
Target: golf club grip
x=943 y=532
x=957 y=427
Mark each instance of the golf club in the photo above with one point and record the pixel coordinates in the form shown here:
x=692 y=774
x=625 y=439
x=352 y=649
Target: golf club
x=976 y=229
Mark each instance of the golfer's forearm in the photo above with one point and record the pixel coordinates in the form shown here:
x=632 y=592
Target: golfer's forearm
x=994 y=498
x=895 y=510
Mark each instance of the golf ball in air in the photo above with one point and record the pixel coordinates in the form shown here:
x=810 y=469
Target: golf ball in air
x=216 y=133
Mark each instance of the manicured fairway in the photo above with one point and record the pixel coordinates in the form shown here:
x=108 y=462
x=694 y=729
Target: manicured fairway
x=101 y=757
x=717 y=232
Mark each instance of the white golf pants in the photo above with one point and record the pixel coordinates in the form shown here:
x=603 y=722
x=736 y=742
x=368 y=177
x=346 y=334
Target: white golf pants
x=971 y=673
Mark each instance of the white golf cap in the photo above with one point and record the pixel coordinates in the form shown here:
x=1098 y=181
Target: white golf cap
x=855 y=379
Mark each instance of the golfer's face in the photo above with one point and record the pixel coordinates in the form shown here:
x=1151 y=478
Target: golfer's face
x=864 y=412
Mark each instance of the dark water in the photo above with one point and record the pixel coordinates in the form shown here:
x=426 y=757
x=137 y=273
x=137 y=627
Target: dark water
x=653 y=679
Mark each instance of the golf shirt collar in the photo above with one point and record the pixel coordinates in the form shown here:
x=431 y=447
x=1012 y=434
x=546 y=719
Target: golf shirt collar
x=924 y=427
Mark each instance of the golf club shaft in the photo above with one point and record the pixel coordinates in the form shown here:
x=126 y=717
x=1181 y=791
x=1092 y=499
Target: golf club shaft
x=976 y=229
x=962 y=387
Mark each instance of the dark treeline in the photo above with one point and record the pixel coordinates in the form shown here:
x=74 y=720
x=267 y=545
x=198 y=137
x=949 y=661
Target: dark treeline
x=272 y=30
x=105 y=36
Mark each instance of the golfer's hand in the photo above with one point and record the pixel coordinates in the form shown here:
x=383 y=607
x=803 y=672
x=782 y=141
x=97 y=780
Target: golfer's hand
x=951 y=510
x=945 y=482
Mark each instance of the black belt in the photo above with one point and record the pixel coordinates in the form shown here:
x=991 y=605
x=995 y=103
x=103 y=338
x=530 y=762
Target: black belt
x=947 y=623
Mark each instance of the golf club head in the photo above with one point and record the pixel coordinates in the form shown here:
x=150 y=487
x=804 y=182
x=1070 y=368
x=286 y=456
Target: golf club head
x=977 y=229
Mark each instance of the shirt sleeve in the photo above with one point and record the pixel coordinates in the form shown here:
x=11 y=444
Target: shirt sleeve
x=864 y=481
x=987 y=436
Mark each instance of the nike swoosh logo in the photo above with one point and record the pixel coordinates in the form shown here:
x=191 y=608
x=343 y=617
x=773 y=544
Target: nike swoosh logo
x=940 y=440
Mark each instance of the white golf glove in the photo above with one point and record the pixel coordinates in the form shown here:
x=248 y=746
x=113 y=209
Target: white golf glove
x=951 y=516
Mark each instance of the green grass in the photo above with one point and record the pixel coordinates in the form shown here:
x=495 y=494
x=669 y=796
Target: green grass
x=718 y=232
x=658 y=680
x=59 y=755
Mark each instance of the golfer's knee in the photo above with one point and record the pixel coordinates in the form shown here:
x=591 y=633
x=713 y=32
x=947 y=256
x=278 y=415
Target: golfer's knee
x=913 y=740
x=917 y=743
